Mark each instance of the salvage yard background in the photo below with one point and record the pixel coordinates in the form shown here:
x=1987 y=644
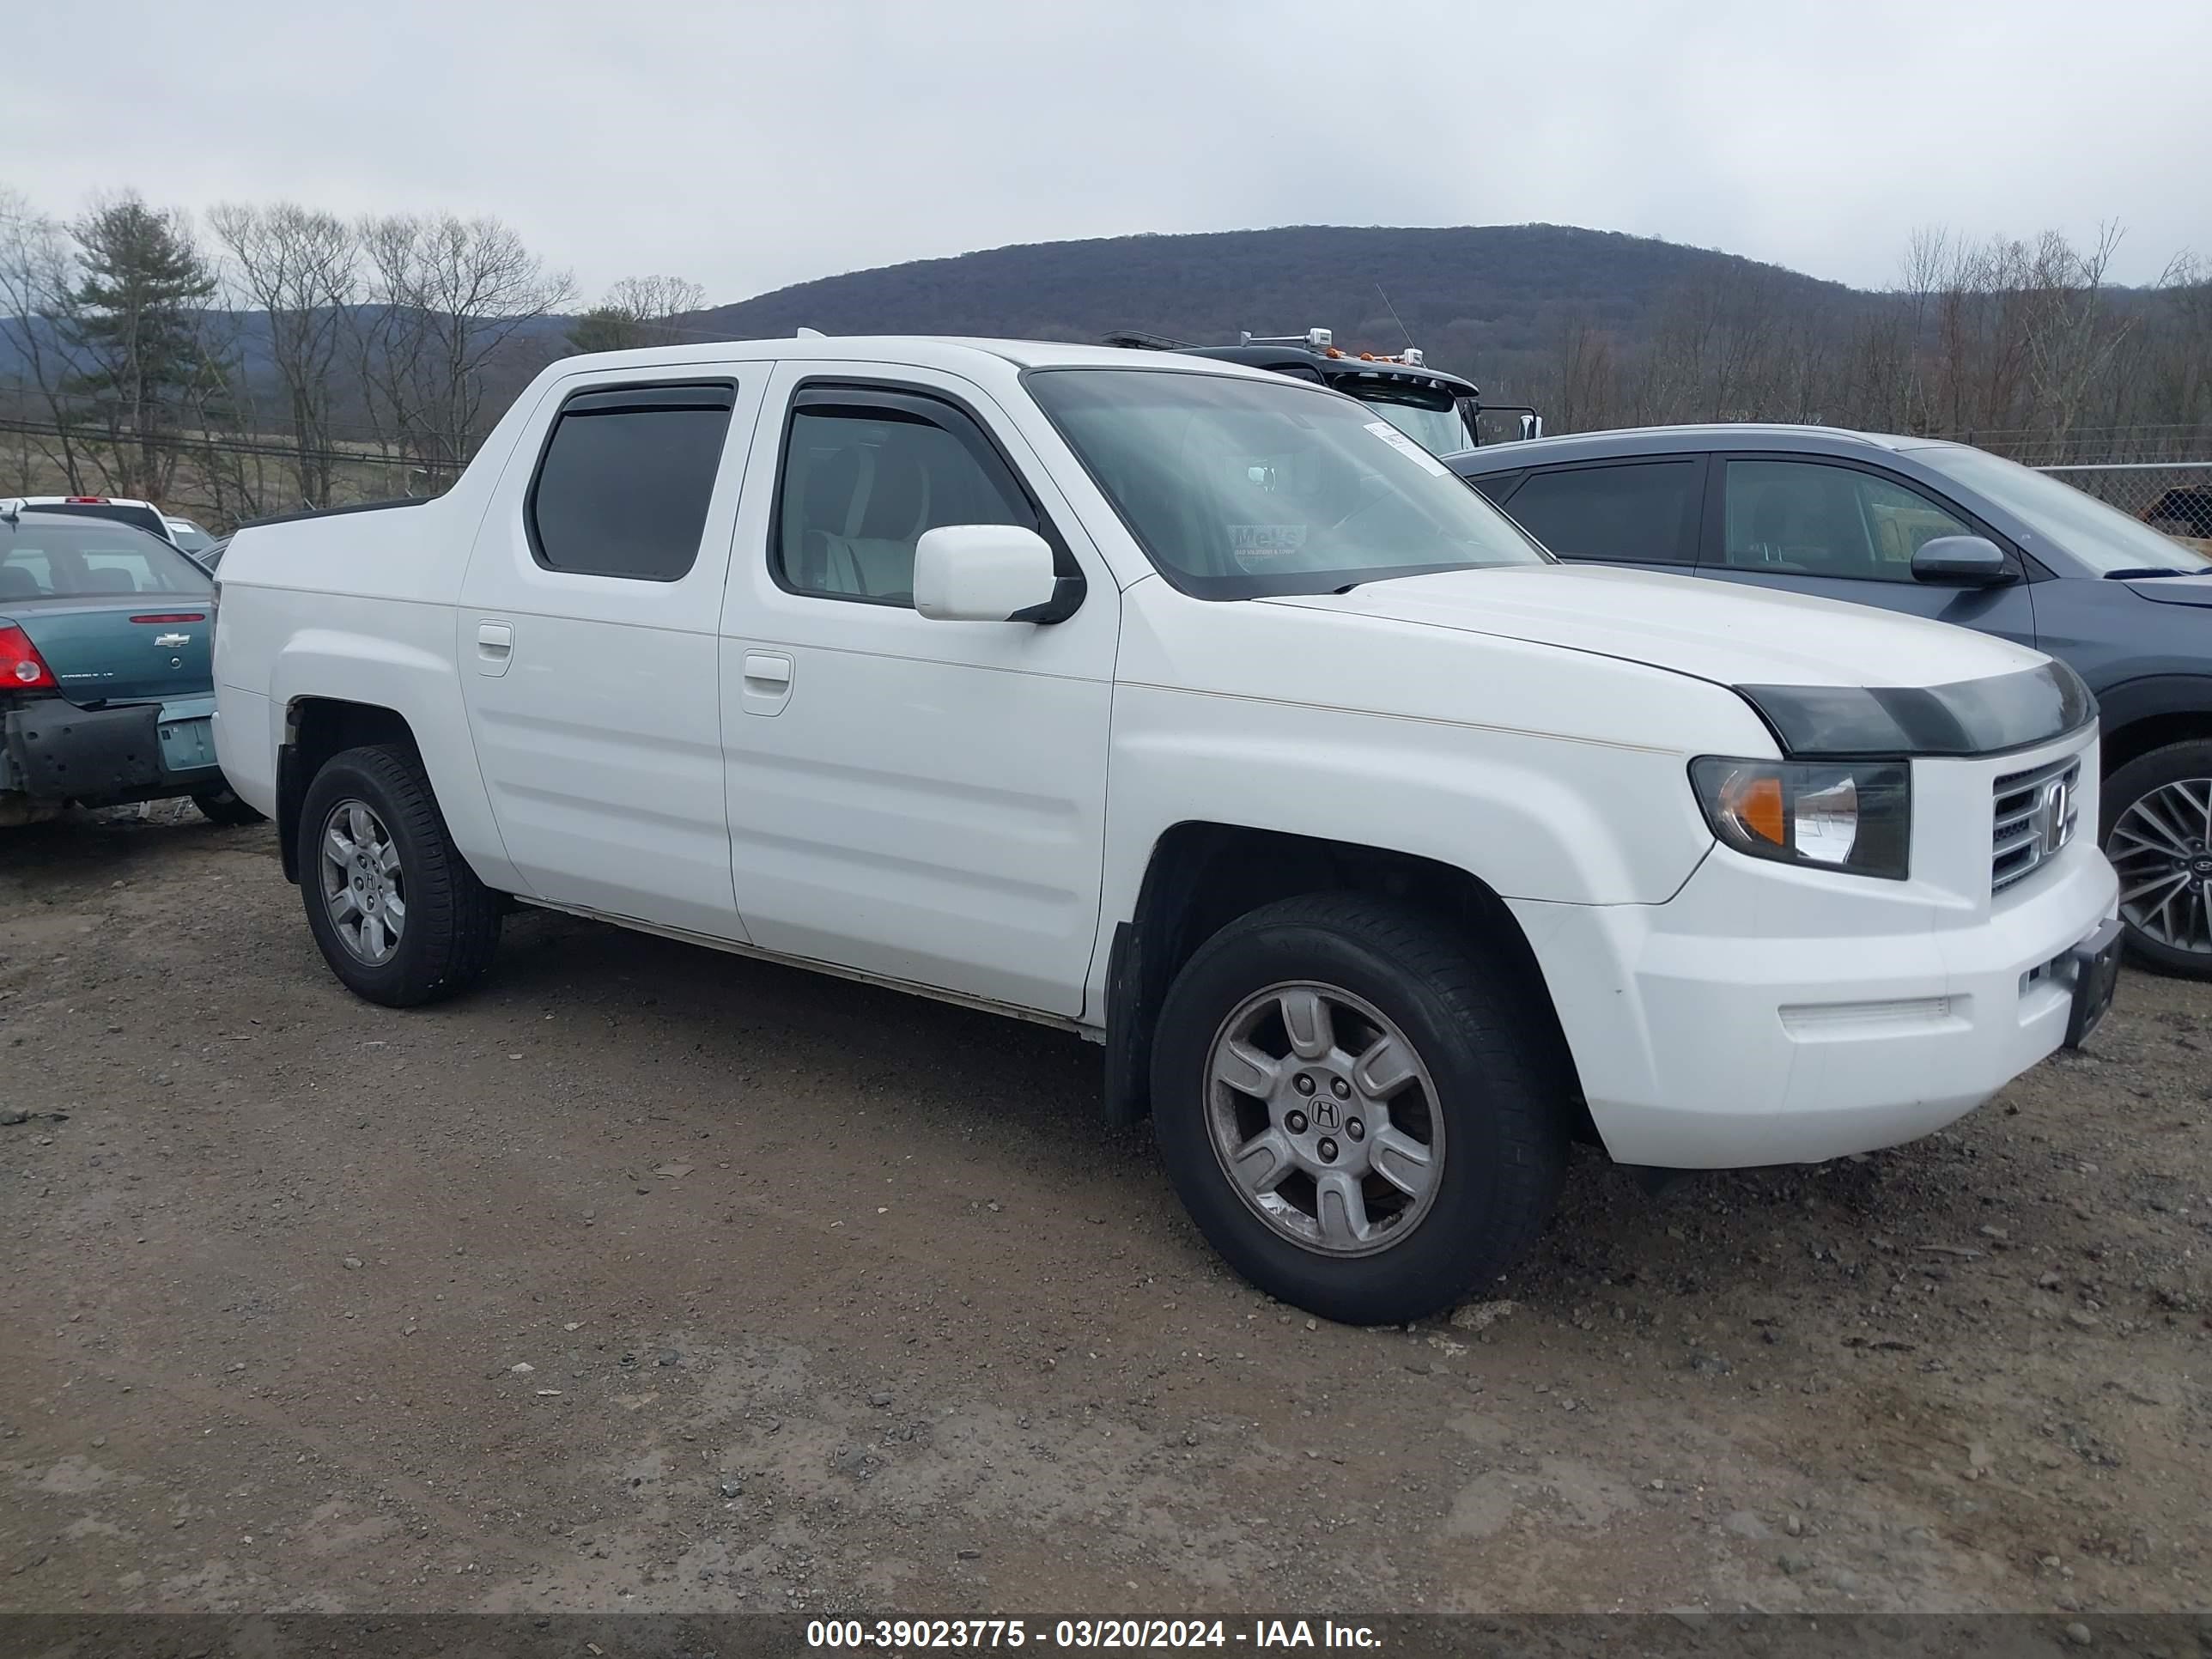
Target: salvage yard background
x=655 y=1279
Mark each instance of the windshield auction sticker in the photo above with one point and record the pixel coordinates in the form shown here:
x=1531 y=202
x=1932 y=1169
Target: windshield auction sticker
x=1404 y=446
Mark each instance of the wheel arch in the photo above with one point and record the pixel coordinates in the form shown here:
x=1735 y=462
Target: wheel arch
x=2142 y=715
x=315 y=729
x=337 y=679
x=1203 y=874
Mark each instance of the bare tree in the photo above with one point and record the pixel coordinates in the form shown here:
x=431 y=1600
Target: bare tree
x=637 y=311
x=658 y=302
x=1583 y=394
x=2071 y=335
x=444 y=297
x=38 y=275
x=300 y=269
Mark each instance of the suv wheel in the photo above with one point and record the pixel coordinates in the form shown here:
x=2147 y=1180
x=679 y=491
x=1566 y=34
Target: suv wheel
x=400 y=917
x=1353 y=1108
x=2158 y=834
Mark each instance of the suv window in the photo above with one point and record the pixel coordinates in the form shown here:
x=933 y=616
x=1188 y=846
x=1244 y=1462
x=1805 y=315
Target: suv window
x=1640 y=511
x=1802 y=518
x=865 y=473
x=623 y=485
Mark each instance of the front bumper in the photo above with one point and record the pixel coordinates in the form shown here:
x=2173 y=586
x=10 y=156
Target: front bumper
x=1772 y=1014
x=50 y=750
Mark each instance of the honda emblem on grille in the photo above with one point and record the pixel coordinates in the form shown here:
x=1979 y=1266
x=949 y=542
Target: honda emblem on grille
x=2054 y=814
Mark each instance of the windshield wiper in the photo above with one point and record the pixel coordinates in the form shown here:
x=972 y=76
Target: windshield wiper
x=2144 y=573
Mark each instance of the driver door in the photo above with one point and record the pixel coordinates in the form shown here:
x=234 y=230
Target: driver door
x=920 y=801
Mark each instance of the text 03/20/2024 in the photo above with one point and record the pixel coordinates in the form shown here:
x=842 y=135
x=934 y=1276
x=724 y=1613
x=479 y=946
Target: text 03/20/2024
x=904 y=1634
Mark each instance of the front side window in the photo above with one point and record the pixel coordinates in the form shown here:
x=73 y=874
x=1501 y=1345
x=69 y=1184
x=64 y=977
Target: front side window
x=864 y=475
x=1802 y=519
x=623 y=486
x=1635 y=512
x=1241 y=489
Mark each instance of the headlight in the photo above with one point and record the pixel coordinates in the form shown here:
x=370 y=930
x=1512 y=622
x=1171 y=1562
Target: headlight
x=1855 y=817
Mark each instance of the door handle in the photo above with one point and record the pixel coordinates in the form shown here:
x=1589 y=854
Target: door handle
x=766 y=685
x=495 y=646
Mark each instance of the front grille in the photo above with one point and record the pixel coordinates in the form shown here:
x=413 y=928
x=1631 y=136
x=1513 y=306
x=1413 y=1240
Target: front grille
x=2036 y=815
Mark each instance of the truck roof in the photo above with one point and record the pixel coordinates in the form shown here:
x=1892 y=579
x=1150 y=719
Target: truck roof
x=942 y=349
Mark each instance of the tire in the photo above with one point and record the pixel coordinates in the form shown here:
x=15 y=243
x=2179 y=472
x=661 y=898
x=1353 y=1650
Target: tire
x=221 y=806
x=439 y=939
x=1488 y=1100
x=2157 y=830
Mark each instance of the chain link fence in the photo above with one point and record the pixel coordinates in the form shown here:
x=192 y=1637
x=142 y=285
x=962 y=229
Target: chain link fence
x=2173 y=496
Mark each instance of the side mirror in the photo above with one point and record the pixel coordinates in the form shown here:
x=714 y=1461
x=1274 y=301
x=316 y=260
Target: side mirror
x=1962 y=562
x=988 y=572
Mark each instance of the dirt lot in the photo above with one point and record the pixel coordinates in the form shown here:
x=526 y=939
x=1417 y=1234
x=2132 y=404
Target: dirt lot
x=651 y=1279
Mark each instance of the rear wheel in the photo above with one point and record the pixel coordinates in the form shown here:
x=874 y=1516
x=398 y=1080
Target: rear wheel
x=1354 y=1109
x=221 y=806
x=399 y=916
x=2158 y=834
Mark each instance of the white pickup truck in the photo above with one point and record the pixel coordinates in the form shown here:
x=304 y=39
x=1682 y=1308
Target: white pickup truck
x=1198 y=711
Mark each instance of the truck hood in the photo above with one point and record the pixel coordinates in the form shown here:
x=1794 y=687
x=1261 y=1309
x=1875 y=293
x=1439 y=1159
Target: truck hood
x=1710 y=630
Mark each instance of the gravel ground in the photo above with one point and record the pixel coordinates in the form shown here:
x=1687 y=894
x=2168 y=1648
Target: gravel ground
x=655 y=1279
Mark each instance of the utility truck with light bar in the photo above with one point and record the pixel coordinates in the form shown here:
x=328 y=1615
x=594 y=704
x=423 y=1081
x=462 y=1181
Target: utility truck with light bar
x=1201 y=713
x=1441 y=412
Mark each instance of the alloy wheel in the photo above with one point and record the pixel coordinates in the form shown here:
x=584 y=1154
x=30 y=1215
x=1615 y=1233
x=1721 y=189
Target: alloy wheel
x=364 y=887
x=2162 y=846
x=1324 y=1118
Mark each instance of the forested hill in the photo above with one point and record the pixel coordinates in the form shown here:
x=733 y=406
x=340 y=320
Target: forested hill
x=1498 y=284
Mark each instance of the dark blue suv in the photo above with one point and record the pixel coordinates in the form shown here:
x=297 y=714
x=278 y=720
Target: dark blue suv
x=1943 y=531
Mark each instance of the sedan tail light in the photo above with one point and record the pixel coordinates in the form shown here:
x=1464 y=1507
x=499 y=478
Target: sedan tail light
x=21 y=667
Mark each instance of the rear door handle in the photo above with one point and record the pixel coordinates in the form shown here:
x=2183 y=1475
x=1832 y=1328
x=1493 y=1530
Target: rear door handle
x=495 y=646
x=767 y=683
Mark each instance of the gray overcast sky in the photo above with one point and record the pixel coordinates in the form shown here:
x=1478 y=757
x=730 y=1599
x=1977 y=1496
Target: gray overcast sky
x=757 y=143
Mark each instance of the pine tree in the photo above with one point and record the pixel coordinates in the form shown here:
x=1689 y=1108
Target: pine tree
x=133 y=324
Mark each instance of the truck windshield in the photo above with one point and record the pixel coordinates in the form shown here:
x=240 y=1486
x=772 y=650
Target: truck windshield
x=1241 y=489
x=1436 y=426
x=2102 y=536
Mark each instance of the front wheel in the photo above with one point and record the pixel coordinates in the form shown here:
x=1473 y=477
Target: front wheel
x=1355 y=1111
x=400 y=917
x=2158 y=834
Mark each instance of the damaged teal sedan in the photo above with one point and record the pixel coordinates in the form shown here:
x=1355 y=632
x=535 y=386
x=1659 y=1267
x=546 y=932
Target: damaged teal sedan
x=106 y=696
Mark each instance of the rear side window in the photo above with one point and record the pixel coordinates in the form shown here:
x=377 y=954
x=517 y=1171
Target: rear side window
x=623 y=485
x=1636 y=512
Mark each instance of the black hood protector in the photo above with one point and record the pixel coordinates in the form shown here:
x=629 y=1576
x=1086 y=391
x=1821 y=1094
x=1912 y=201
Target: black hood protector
x=1968 y=717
